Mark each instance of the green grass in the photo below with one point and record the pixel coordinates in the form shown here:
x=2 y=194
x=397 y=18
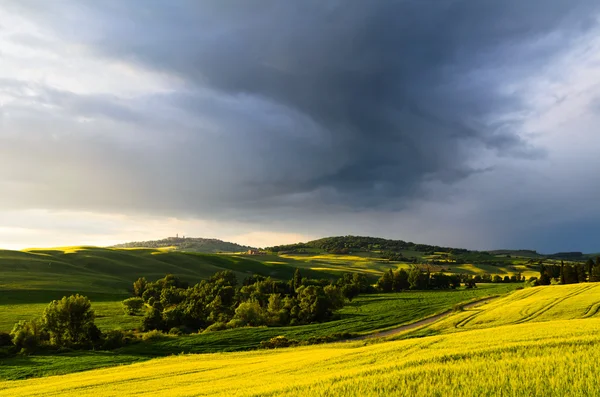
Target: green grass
x=366 y=314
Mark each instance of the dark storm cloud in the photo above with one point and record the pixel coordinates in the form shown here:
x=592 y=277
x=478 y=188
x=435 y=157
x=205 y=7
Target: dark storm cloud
x=314 y=103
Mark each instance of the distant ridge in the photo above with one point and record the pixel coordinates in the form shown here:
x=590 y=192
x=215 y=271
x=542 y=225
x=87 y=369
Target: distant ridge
x=192 y=244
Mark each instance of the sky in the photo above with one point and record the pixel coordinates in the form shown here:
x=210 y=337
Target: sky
x=465 y=123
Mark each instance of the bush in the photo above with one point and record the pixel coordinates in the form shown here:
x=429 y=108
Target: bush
x=218 y=326
x=154 y=335
x=117 y=338
x=133 y=306
x=317 y=340
x=236 y=323
x=278 y=342
x=175 y=331
x=27 y=335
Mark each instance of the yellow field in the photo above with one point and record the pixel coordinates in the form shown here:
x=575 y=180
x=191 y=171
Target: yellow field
x=565 y=302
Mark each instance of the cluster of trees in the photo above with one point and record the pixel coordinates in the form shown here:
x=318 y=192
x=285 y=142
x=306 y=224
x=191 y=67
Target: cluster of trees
x=415 y=279
x=345 y=244
x=488 y=278
x=398 y=257
x=570 y=273
x=219 y=302
x=65 y=323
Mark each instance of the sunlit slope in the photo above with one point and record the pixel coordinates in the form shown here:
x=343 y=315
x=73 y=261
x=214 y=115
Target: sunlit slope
x=372 y=265
x=556 y=302
x=533 y=359
x=101 y=270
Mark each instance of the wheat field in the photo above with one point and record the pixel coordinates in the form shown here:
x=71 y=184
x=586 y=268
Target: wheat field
x=532 y=359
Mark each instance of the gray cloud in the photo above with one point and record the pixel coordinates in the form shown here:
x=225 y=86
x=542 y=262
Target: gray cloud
x=307 y=107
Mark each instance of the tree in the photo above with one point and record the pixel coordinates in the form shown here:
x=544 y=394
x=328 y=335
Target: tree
x=544 y=279
x=250 y=313
x=416 y=279
x=70 y=321
x=386 y=281
x=595 y=275
x=133 y=306
x=277 y=315
x=400 y=281
x=153 y=319
x=139 y=286
x=589 y=264
x=296 y=281
x=350 y=291
x=581 y=274
x=470 y=283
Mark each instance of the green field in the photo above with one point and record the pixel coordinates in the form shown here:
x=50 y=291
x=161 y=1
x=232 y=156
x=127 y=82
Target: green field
x=551 y=349
x=102 y=271
x=371 y=264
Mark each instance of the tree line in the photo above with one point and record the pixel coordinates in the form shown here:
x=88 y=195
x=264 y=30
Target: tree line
x=569 y=273
x=415 y=279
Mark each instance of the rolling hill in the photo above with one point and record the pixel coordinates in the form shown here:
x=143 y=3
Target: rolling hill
x=190 y=244
x=112 y=271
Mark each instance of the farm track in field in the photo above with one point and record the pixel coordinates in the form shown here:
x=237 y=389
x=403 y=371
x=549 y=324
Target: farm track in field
x=554 y=303
x=420 y=323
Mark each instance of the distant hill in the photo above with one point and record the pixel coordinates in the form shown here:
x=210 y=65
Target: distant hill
x=344 y=244
x=191 y=244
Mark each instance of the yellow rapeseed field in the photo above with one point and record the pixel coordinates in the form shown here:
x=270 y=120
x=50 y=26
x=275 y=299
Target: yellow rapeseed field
x=524 y=358
x=557 y=358
x=556 y=302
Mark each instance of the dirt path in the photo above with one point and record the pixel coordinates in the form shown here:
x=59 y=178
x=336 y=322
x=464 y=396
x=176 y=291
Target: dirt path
x=425 y=321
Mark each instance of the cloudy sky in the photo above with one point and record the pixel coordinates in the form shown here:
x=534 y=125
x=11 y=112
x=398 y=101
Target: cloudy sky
x=468 y=123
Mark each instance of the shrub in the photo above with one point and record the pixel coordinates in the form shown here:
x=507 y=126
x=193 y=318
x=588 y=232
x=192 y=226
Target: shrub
x=218 y=326
x=278 y=342
x=175 y=331
x=235 y=323
x=154 y=335
x=27 y=335
x=117 y=338
x=133 y=306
